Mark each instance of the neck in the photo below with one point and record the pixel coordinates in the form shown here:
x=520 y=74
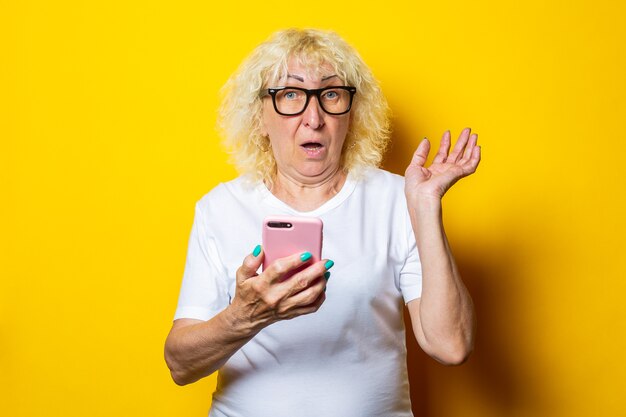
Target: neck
x=307 y=196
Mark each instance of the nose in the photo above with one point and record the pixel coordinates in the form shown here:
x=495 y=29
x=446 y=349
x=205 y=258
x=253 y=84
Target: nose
x=313 y=116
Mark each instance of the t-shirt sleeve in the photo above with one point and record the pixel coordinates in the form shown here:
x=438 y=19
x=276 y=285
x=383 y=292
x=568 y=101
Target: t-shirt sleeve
x=204 y=291
x=411 y=272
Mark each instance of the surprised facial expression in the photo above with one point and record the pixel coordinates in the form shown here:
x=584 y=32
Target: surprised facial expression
x=307 y=147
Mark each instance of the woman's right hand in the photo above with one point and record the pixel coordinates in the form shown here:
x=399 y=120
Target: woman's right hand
x=263 y=299
x=196 y=348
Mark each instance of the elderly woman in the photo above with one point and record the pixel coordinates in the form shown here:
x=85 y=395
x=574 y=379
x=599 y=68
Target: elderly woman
x=308 y=125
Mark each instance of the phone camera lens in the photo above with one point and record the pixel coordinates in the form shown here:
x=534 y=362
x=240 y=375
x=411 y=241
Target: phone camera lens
x=280 y=225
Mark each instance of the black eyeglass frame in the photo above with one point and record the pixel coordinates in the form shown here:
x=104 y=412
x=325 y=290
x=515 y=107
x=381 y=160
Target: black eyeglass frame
x=315 y=92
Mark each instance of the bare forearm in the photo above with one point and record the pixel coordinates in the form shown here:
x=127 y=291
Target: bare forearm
x=445 y=310
x=195 y=351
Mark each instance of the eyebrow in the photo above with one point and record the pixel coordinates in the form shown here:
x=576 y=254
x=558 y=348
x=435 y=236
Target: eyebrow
x=301 y=79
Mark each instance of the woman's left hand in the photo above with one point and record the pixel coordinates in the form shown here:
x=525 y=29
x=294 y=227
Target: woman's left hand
x=445 y=170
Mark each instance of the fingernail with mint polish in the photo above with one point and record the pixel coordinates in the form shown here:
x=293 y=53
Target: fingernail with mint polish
x=329 y=264
x=326 y=275
x=256 y=250
x=305 y=256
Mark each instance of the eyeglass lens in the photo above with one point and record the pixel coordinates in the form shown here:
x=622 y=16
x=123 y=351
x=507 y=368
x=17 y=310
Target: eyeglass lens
x=332 y=100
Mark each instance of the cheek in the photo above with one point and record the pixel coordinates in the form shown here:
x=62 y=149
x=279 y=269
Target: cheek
x=275 y=125
x=346 y=127
x=270 y=120
x=342 y=131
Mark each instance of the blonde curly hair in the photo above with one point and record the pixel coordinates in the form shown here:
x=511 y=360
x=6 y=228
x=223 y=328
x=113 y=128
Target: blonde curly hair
x=240 y=113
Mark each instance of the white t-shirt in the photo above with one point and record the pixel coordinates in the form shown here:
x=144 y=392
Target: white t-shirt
x=347 y=359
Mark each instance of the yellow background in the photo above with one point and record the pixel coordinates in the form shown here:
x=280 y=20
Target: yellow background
x=107 y=113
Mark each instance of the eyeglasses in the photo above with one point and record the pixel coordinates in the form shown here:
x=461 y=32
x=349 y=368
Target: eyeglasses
x=291 y=101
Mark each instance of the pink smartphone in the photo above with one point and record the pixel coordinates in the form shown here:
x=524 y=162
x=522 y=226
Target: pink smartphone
x=286 y=235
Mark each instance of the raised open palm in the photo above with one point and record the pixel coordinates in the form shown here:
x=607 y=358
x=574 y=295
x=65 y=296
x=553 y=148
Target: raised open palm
x=445 y=170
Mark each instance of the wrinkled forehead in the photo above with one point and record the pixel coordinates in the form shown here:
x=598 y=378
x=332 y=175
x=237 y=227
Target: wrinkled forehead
x=310 y=67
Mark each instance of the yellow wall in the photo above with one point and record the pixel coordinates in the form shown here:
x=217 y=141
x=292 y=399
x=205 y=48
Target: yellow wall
x=107 y=114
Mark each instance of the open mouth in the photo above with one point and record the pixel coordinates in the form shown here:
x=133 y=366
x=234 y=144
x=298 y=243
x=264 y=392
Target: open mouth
x=312 y=146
